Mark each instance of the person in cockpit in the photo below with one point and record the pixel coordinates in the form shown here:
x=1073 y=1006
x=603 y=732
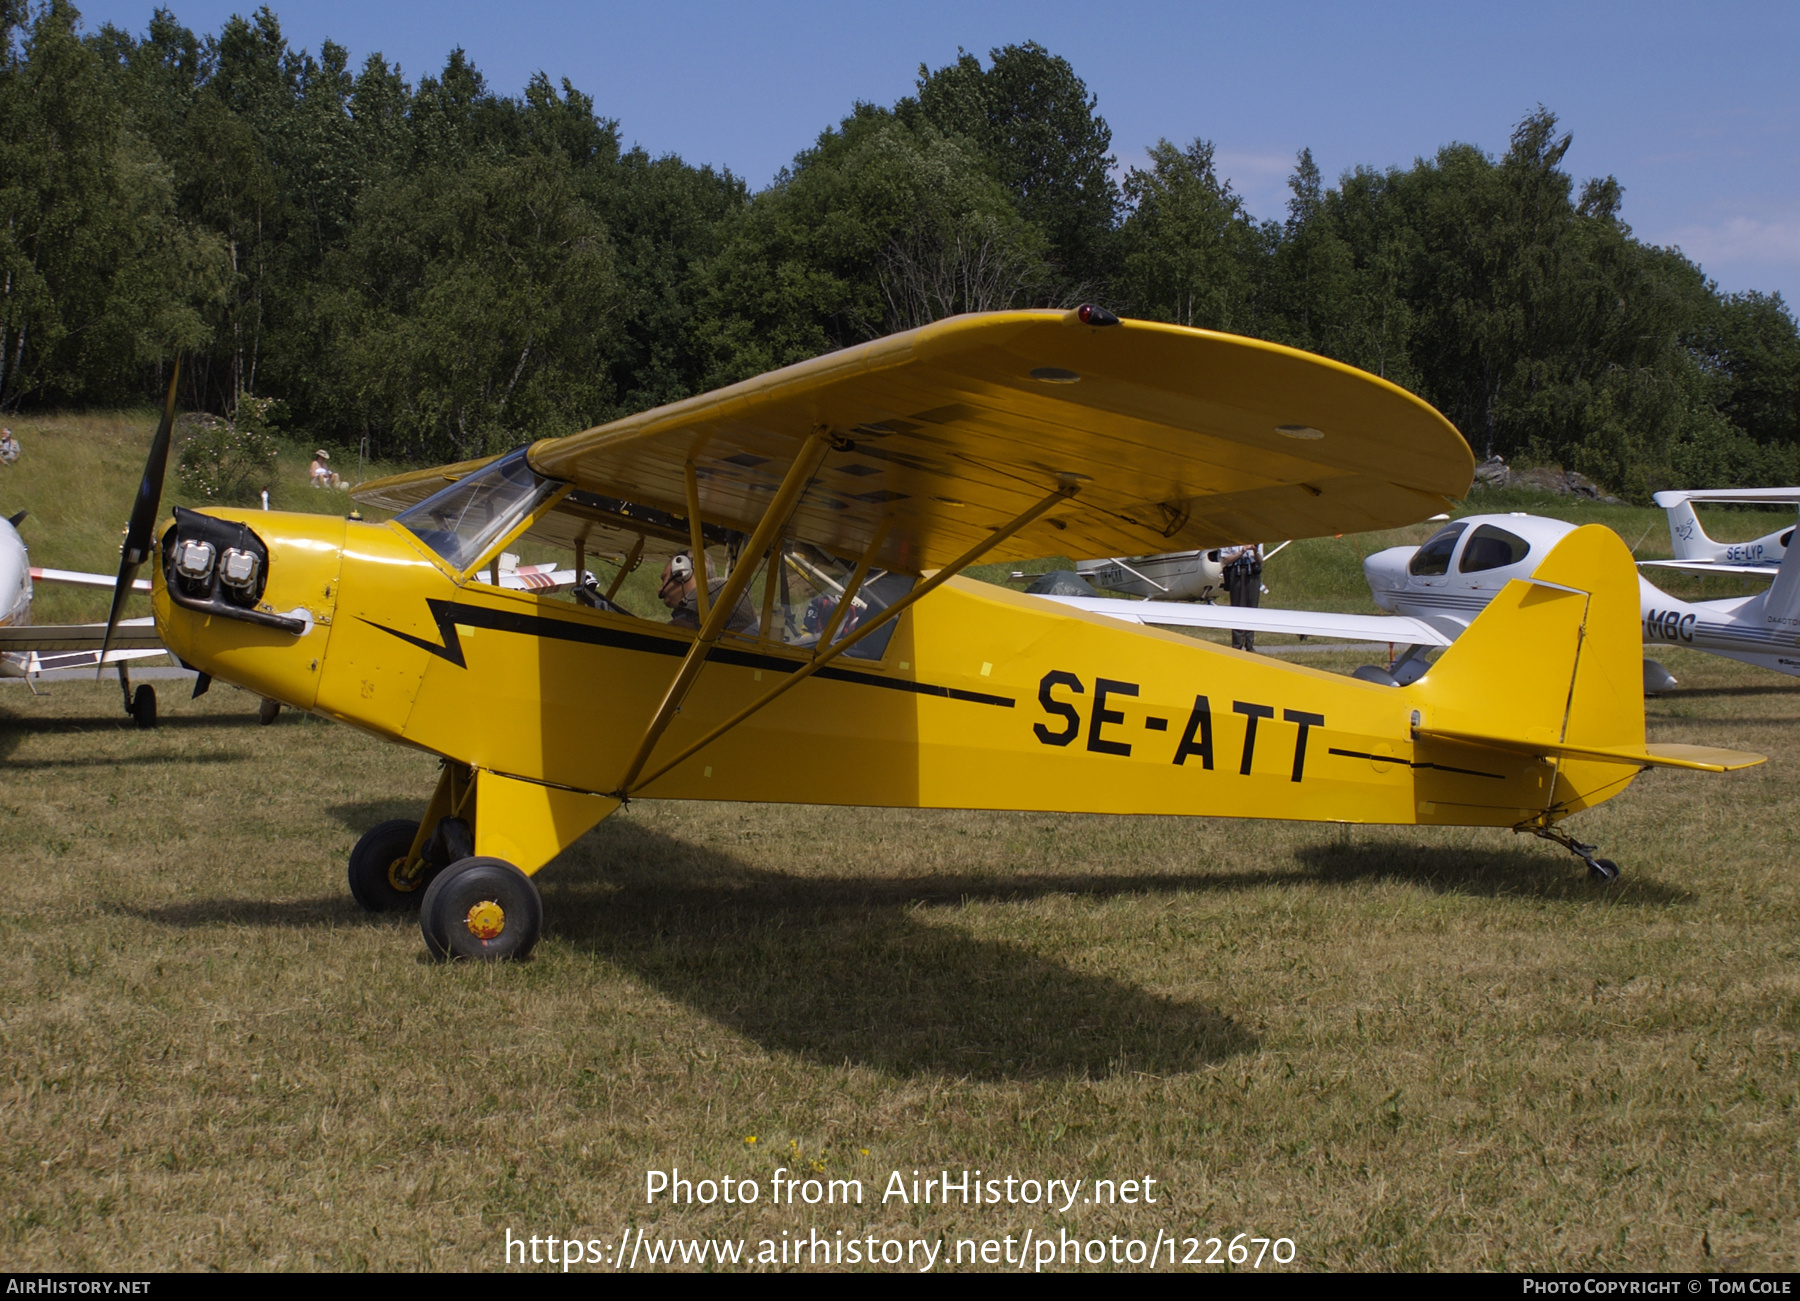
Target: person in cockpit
x=680 y=592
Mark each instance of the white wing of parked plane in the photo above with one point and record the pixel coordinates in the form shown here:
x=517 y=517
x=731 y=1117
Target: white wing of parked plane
x=75 y=578
x=1715 y=567
x=1399 y=630
x=133 y=634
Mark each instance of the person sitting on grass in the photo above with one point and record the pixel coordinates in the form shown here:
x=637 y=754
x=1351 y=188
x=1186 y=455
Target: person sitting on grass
x=320 y=471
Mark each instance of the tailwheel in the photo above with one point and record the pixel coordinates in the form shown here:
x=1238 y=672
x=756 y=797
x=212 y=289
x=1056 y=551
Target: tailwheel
x=481 y=908
x=381 y=877
x=1602 y=869
x=1599 y=869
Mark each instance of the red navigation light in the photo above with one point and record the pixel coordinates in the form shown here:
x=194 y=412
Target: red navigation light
x=1092 y=315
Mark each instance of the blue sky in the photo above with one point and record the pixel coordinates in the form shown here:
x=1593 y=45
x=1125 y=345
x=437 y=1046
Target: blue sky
x=1695 y=108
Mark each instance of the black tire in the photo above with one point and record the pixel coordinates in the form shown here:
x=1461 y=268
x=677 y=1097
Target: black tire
x=373 y=878
x=268 y=711
x=1603 y=869
x=143 y=706
x=476 y=893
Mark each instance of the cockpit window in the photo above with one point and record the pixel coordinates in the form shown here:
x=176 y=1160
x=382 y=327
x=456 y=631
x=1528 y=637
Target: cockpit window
x=810 y=583
x=1492 y=548
x=462 y=521
x=1434 y=557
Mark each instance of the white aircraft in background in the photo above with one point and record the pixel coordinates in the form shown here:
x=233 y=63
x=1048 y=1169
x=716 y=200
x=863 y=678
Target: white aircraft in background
x=1696 y=552
x=28 y=649
x=1170 y=576
x=1436 y=590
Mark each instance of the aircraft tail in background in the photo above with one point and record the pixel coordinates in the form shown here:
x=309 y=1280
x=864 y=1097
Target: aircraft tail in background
x=1687 y=538
x=1693 y=549
x=1781 y=606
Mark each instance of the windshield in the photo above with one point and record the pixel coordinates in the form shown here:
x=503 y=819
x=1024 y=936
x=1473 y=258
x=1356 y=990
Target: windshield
x=1434 y=556
x=461 y=522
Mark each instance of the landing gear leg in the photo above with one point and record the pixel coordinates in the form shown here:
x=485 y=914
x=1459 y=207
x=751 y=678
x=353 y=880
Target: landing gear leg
x=1599 y=869
x=141 y=707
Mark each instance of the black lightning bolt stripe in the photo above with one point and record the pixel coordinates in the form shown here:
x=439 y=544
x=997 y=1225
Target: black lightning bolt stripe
x=447 y=614
x=1394 y=758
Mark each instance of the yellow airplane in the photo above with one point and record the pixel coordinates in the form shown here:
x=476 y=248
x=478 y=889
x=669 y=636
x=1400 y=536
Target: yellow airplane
x=841 y=660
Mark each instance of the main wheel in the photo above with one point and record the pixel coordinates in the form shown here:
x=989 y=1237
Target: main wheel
x=481 y=908
x=268 y=711
x=143 y=706
x=1603 y=869
x=377 y=867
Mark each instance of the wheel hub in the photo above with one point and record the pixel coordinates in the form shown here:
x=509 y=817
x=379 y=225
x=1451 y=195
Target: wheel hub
x=486 y=920
x=400 y=877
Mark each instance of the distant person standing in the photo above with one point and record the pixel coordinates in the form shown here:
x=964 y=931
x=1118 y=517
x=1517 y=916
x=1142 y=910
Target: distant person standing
x=9 y=447
x=1243 y=579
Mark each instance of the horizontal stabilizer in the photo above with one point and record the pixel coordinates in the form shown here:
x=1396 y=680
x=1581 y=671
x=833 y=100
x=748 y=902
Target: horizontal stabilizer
x=1396 y=629
x=1703 y=758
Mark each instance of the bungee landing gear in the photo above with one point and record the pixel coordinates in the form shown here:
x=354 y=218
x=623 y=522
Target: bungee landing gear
x=469 y=905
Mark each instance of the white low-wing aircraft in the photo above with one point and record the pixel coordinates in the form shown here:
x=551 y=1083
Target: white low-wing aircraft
x=1437 y=589
x=1696 y=552
x=28 y=649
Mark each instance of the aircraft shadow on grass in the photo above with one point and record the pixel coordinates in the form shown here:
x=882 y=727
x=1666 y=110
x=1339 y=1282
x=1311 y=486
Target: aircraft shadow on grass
x=1508 y=871
x=853 y=969
x=15 y=729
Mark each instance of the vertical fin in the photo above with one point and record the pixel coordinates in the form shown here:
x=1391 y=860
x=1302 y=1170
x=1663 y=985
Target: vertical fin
x=1555 y=661
x=1781 y=606
x=1686 y=538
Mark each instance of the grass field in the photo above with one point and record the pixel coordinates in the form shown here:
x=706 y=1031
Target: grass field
x=1401 y=1048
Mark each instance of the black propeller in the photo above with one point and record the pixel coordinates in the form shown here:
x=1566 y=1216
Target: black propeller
x=143 y=514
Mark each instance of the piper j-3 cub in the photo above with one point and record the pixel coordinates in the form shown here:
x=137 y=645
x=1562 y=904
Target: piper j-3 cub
x=873 y=477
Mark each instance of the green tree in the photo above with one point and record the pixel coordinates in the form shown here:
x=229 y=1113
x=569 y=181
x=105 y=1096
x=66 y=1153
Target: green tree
x=1035 y=121
x=471 y=310
x=100 y=280
x=879 y=227
x=1191 y=253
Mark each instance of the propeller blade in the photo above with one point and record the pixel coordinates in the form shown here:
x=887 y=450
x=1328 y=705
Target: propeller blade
x=143 y=513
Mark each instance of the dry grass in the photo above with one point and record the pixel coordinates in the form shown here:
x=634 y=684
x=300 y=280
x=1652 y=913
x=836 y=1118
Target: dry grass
x=1402 y=1048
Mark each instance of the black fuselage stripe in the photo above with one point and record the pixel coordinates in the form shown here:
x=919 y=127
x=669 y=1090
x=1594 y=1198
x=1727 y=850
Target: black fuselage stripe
x=448 y=614
x=1394 y=758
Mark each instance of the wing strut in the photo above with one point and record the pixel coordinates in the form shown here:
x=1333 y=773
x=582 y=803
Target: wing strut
x=713 y=619
x=1066 y=488
x=697 y=540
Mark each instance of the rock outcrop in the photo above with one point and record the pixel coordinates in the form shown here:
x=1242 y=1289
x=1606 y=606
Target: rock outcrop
x=1496 y=473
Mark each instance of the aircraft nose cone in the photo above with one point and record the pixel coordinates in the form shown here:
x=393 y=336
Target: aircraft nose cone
x=1385 y=571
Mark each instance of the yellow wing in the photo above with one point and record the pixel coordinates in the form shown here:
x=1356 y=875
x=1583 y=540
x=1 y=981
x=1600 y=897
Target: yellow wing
x=1181 y=438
